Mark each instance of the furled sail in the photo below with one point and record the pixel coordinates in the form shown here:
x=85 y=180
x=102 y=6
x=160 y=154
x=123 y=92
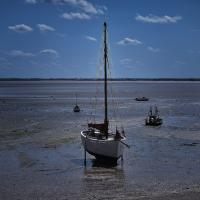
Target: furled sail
x=102 y=127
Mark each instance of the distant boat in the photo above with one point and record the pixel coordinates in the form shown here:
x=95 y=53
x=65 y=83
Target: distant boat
x=153 y=118
x=142 y=99
x=76 y=107
x=98 y=140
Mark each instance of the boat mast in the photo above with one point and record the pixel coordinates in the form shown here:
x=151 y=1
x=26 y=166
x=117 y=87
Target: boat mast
x=105 y=79
x=76 y=99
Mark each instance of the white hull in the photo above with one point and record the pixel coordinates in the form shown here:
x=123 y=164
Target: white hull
x=110 y=147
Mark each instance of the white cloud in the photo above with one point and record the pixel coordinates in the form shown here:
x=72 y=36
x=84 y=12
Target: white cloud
x=129 y=41
x=158 y=19
x=76 y=15
x=19 y=53
x=91 y=38
x=45 y=28
x=20 y=28
x=84 y=5
x=49 y=51
x=31 y=1
x=155 y=50
x=125 y=61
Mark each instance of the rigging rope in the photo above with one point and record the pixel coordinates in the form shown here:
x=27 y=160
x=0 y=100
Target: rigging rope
x=99 y=72
x=114 y=102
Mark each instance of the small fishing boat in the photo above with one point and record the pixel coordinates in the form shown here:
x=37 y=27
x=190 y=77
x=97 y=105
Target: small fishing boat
x=98 y=140
x=153 y=118
x=76 y=107
x=142 y=99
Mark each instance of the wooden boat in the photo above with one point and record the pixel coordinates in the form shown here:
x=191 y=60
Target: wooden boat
x=141 y=99
x=98 y=140
x=153 y=119
x=76 y=107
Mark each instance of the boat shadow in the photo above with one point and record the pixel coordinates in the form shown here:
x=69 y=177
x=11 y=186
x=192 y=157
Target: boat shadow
x=104 y=163
x=98 y=163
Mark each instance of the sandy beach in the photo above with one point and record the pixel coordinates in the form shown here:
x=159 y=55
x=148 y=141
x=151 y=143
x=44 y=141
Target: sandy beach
x=41 y=156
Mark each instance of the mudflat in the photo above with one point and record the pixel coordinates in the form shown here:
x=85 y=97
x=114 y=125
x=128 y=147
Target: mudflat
x=41 y=156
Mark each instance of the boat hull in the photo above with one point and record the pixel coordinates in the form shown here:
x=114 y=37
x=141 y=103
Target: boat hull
x=76 y=109
x=157 y=122
x=141 y=99
x=106 y=149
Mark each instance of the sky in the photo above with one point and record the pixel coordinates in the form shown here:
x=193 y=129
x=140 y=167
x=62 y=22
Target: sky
x=63 y=38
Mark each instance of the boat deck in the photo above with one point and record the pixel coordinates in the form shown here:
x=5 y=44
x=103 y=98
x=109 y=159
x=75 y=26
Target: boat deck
x=96 y=135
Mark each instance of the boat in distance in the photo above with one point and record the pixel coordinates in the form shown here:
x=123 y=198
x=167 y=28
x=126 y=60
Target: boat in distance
x=142 y=99
x=153 y=119
x=76 y=107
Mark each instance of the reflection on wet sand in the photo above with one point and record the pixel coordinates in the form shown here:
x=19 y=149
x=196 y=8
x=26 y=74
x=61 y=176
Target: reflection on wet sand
x=103 y=180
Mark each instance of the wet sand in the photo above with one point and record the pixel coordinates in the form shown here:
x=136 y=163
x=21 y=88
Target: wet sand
x=41 y=156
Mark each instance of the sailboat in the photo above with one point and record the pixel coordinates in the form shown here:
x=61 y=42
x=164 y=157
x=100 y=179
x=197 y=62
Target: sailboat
x=98 y=140
x=76 y=107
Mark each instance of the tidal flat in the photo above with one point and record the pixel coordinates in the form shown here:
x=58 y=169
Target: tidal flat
x=41 y=156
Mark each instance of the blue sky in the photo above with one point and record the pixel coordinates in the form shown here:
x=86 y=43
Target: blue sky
x=63 y=38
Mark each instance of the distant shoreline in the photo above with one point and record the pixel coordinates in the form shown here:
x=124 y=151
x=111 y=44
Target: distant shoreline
x=94 y=79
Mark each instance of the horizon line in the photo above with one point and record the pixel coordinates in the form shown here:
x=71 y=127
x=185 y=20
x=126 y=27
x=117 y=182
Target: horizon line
x=101 y=79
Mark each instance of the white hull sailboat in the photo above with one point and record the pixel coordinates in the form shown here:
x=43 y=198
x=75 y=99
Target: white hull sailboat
x=98 y=140
x=109 y=148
